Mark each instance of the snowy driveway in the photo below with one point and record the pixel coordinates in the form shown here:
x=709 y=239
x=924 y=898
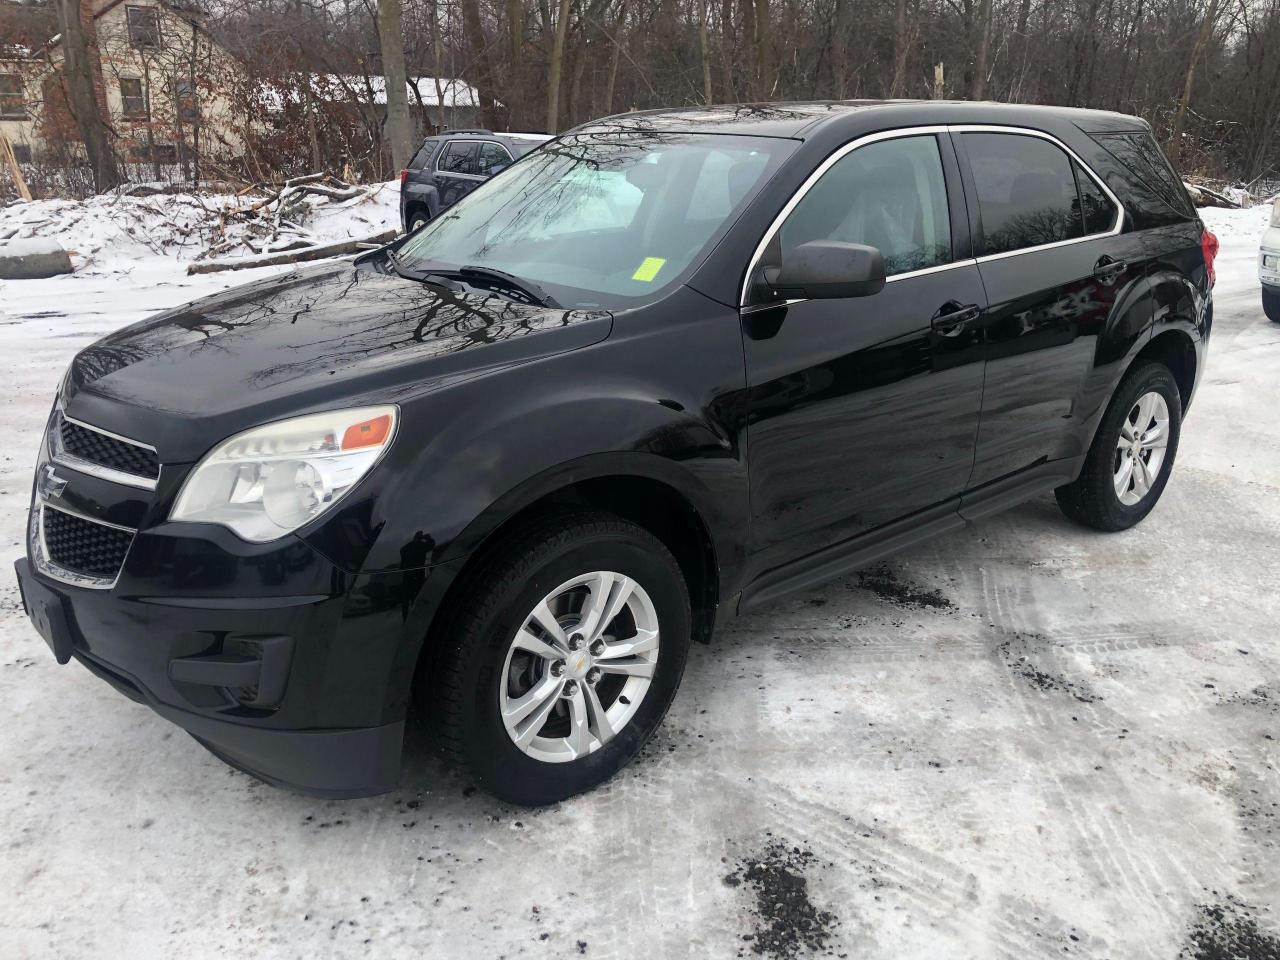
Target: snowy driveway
x=1024 y=740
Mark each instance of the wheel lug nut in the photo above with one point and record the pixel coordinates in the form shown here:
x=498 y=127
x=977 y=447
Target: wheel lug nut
x=593 y=675
x=557 y=668
x=597 y=648
x=575 y=641
x=570 y=687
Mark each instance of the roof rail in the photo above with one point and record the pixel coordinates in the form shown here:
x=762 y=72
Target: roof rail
x=487 y=133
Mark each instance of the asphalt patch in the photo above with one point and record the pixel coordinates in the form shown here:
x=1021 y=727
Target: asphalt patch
x=884 y=583
x=1228 y=930
x=787 y=922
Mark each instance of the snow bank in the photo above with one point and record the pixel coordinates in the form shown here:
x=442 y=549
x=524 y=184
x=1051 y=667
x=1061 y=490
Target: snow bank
x=113 y=232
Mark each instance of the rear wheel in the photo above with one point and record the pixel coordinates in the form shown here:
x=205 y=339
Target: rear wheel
x=1132 y=454
x=565 y=649
x=417 y=219
x=1271 y=304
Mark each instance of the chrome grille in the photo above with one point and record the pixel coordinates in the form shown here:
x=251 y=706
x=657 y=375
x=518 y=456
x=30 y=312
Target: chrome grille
x=81 y=546
x=93 y=446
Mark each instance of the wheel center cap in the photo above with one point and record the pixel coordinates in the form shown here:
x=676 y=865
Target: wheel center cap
x=578 y=664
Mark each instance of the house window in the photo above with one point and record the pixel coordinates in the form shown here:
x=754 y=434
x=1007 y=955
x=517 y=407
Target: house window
x=11 y=104
x=144 y=26
x=133 y=97
x=185 y=97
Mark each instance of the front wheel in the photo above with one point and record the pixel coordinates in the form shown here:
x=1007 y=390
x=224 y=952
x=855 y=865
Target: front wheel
x=1132 y=455
x=564 y=650
x=1271 y=304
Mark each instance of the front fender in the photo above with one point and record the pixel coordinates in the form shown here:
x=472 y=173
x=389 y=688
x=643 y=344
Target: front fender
x=477 y=451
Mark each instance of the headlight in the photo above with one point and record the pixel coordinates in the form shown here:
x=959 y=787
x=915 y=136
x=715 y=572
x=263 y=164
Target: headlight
x=269 y=481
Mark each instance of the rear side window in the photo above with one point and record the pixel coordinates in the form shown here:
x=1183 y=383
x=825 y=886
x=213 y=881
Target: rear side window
x=1097 y=208
x=1026 y=191
x=890 y=195
x=1136 y=170
x=493 y=158
x=459 y=156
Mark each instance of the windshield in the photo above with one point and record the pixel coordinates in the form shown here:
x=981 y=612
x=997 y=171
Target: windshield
x=601 y=220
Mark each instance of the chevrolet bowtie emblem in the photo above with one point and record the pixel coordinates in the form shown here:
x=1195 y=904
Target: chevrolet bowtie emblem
x=51 y=485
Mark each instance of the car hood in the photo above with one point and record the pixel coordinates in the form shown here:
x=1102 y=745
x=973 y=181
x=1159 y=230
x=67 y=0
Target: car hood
x=302 y=341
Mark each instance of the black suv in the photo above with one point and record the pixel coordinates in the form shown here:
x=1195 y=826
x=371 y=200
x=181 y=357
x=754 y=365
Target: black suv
x=449 y=166
x=508 y=467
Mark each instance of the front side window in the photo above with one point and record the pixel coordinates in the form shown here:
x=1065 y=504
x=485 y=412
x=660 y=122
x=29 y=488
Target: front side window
x=602 y=220
x=12 y=105
x=133 y=97
x=458 y=157
x=1026 y=191
x=890 y=195
x=144 y=26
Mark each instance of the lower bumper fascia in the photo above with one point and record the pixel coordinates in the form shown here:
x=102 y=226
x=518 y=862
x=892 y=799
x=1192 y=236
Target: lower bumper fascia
x=334 y=764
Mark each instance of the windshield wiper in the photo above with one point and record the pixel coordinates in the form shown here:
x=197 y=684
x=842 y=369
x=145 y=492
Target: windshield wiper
x=527 y=287
x=529 y=292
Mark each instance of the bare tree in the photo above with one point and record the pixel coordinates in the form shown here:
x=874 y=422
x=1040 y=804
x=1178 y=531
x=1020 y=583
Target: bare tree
x=1207 y=26
x=399 y=131
x=554 y=67
x=82 y=97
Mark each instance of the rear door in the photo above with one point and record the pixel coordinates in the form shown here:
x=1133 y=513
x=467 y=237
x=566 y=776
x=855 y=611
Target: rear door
x=865 y=410
x=457 y=171
x=1054 y=266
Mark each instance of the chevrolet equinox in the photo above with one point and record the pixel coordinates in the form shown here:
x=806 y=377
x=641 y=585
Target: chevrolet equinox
x=666 y=368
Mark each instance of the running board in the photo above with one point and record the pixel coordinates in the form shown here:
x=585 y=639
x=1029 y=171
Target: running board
x=843 y=558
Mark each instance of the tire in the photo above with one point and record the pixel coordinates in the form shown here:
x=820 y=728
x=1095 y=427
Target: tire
x=1271 y=304
x=480 y=669
x=1093 y=498
x=417 y=220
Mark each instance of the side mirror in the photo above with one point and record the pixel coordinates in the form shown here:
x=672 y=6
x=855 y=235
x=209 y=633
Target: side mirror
x=828 y=270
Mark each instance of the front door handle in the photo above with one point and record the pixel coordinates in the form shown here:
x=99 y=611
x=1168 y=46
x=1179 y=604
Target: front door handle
x=952 y=317
x=1107 y=270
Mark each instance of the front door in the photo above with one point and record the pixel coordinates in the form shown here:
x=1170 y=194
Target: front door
x=865 y=410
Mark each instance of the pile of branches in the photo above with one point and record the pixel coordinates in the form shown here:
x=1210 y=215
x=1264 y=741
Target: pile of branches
x=273 y=219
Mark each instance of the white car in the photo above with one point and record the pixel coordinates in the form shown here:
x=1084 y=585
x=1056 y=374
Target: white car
x=1269 y=266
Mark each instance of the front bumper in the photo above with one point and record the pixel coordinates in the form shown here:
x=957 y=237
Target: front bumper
x=307 y=692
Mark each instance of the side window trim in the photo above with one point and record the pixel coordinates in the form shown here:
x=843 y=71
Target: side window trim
x=1115 y=228
x=974 y=222
x=451 y=173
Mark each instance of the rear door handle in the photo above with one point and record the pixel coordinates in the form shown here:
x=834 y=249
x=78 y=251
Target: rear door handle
x=1107 y=270
x=952 y=317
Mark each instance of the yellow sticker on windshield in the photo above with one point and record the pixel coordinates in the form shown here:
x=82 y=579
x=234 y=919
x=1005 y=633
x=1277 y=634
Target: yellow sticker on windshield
x=649 y=269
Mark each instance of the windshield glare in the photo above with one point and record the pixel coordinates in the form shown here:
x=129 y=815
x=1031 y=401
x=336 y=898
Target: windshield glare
x=601 y=220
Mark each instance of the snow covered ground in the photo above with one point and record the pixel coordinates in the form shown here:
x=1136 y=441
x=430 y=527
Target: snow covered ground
x=1023 y=740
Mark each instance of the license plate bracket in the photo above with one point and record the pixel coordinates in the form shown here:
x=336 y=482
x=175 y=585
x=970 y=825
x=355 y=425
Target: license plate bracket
x=47 y=611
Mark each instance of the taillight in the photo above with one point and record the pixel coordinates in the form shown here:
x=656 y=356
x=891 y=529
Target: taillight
x=1209 y=247
x=404 y=175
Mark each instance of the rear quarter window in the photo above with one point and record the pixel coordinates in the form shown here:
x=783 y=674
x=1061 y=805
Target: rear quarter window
x=1136 y=170
x=423 y=157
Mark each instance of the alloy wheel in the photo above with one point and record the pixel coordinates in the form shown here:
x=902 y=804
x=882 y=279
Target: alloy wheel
x=579 y=666
x=1140 y=448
